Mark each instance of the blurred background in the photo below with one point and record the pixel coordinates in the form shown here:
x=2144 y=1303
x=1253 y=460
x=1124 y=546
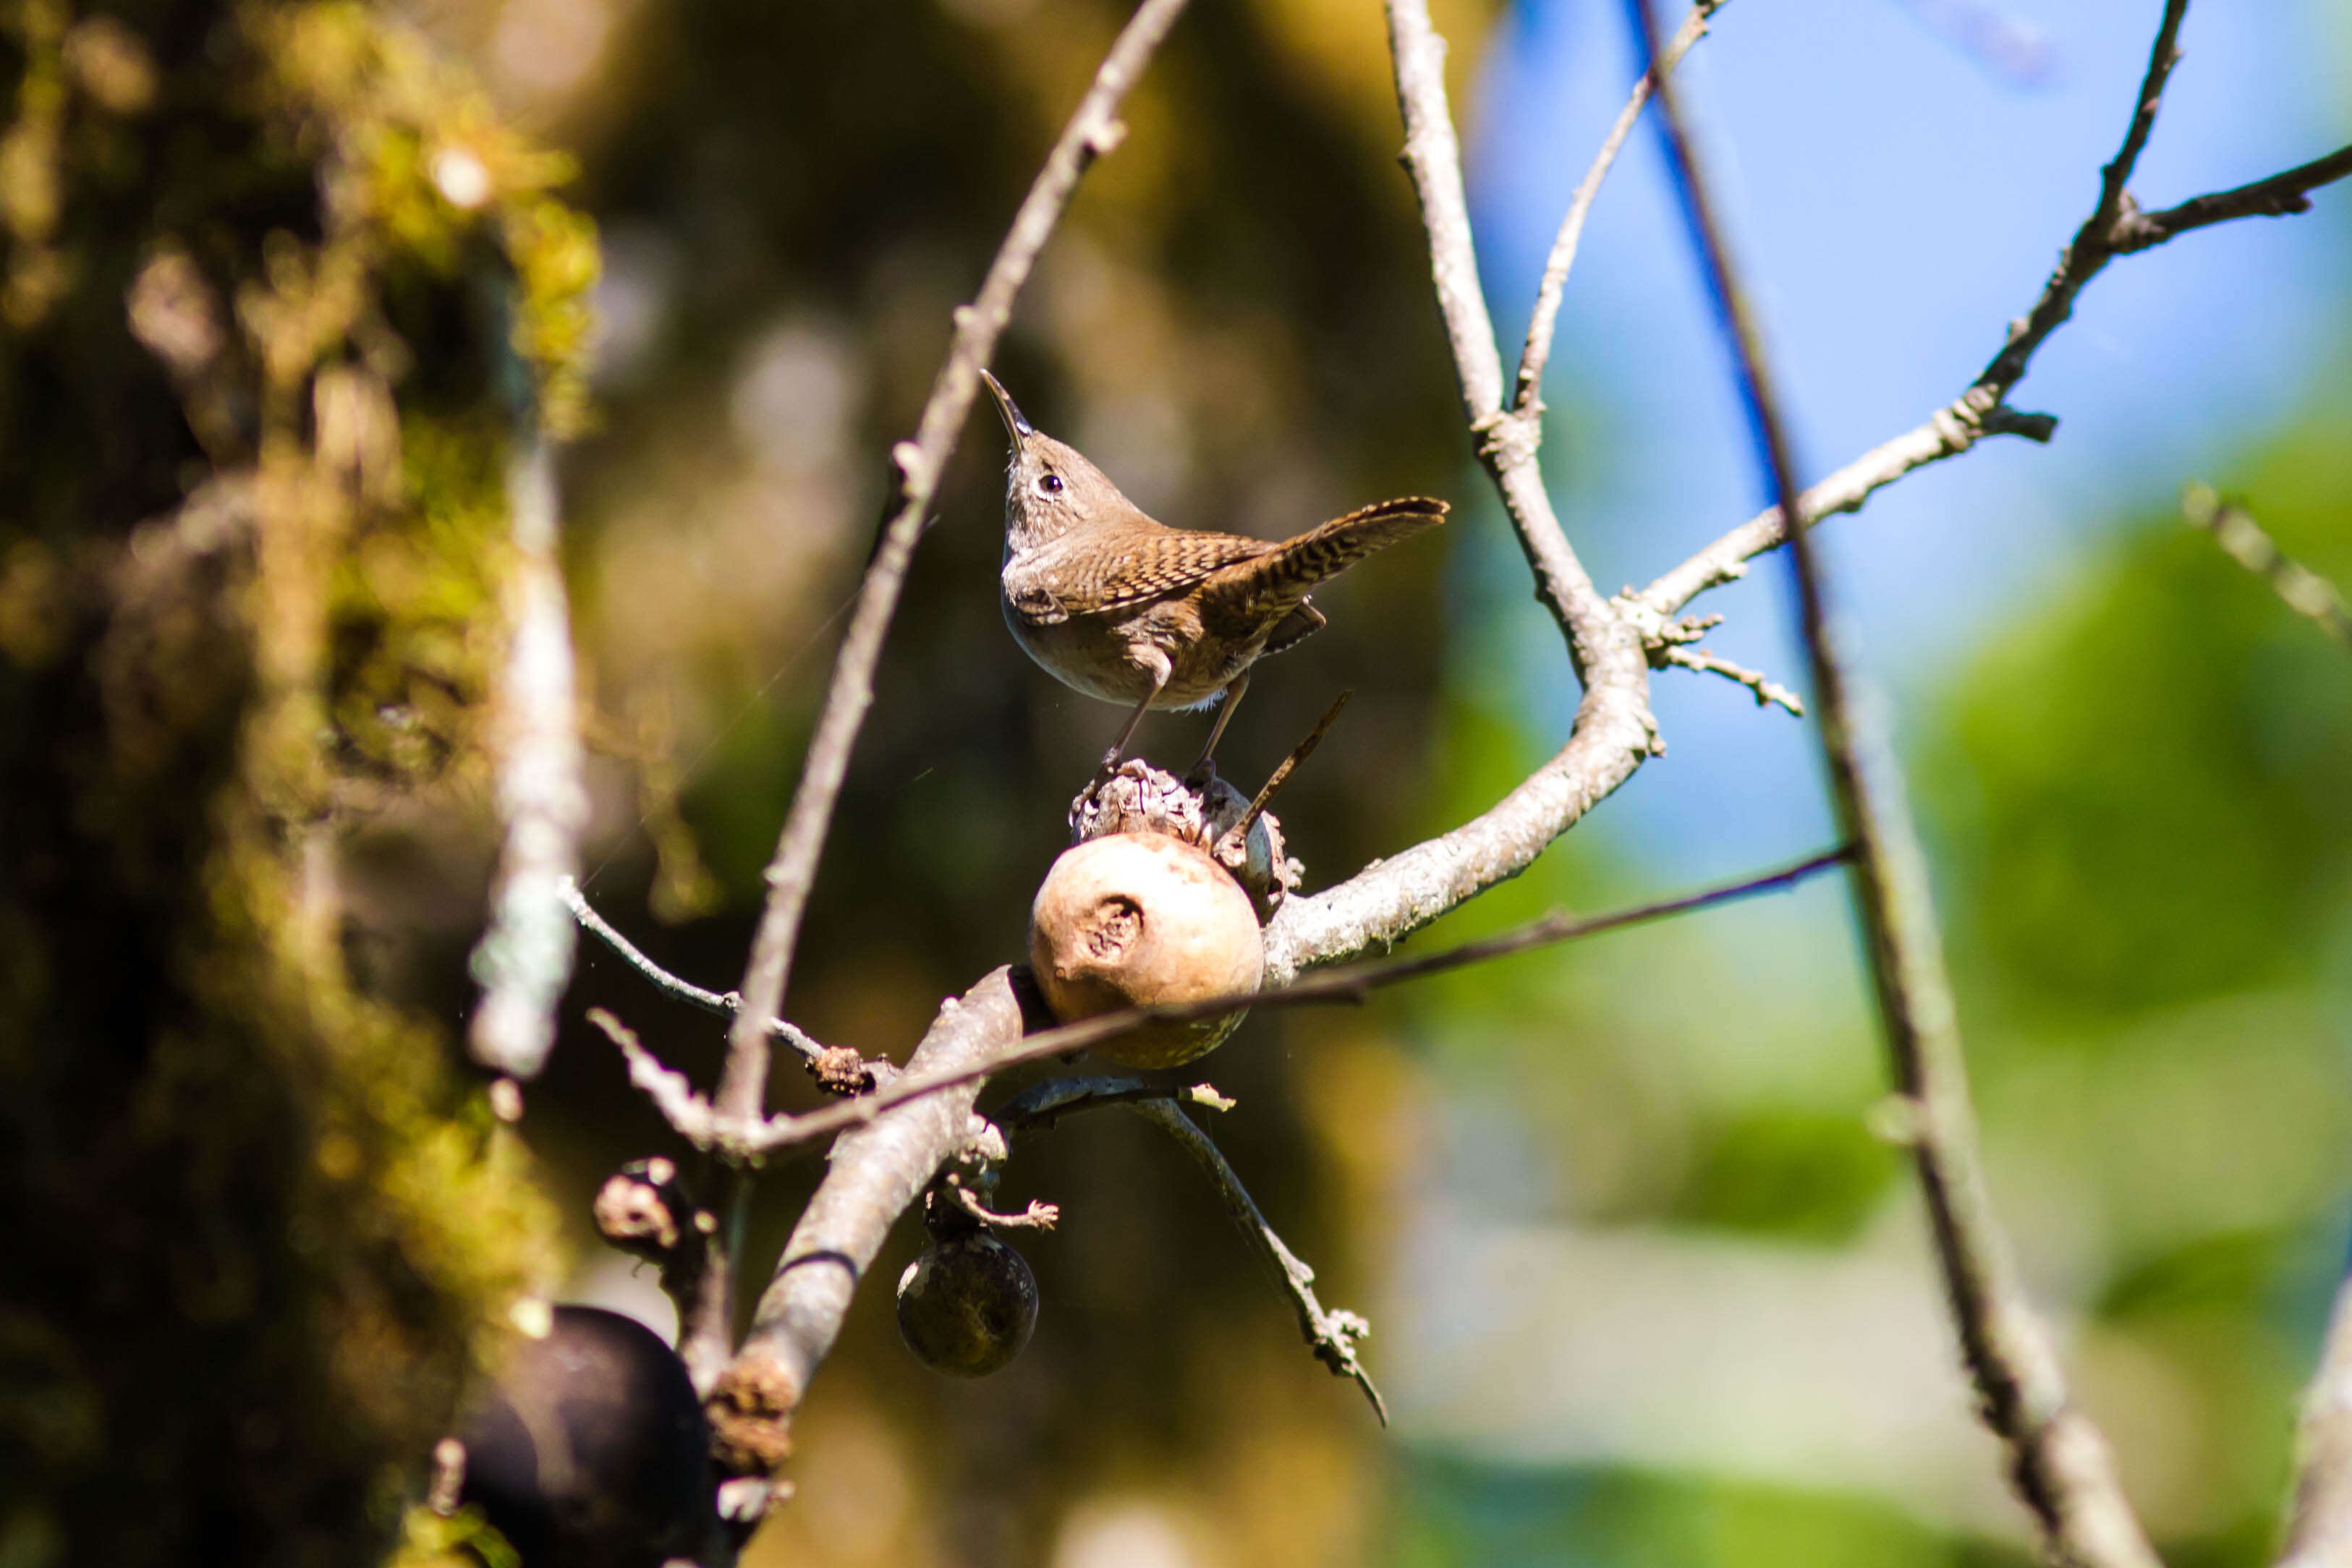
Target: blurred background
x=1645 y=1289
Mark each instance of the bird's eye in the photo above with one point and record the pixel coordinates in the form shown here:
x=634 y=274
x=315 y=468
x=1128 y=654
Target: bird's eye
x=1050 y=483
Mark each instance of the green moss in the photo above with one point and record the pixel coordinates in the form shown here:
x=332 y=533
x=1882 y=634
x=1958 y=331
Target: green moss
x=265 y=1224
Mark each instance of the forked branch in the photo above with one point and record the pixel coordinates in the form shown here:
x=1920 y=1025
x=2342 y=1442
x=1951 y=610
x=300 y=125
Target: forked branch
x=2116 y=227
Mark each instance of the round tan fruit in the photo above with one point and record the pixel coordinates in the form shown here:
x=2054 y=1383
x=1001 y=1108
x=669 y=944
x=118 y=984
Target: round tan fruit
x=1138 y=920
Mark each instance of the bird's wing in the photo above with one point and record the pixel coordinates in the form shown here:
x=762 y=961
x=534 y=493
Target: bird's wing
x=1276 y=581
x=1134 y=569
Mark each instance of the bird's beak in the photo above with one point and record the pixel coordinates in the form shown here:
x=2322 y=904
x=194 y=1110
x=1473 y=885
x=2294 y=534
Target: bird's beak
x=1014 y=425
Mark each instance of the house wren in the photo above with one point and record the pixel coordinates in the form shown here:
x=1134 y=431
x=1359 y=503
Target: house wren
x=1130 y=610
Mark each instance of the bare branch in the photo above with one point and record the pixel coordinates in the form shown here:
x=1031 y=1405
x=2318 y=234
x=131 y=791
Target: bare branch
x=1614 y=732
x=725 y=1004
x=1948 y=432
x=1092 y=131
x=1352 y=983
x=1527 y=401
x=523 y=961
x=2116 y=227
x=2060 y=1462
x=2319 y=1525
x=2275 y=197
x=1037 y=1216
x=2095 y=243
x=1332 y=1335
x=875 y=1174
x=689 y=1115
x=1683 y=655
x=1039 y=1107
x=2305 y=590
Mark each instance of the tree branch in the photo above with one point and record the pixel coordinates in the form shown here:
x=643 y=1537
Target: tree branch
x=2059 y=1460
x=1352 y=983
x=2305 y=590
x=523 y=961
x=1527 y=401
x=1331 y=1335
x=1039 y=1107
x=875 y=1173
x=2116 y=227
x=1765 y=690
x=2275 y=197
x=725 y=1004
x=689 y=1116
x=1614 y=732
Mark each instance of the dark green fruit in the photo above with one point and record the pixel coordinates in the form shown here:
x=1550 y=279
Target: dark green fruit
x=966 y=1304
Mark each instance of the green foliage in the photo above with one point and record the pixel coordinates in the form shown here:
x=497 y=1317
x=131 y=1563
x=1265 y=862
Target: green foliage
x=2144 y=791
x=1796 y=1172
x=1597 y=1517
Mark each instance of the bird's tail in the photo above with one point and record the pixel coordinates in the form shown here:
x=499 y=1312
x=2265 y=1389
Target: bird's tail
x=1284 y=576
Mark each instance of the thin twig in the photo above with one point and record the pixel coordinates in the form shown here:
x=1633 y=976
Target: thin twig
x=725 y=1004
x=2094 y=244
x=1038 y=1216
x=1528 y=399
x=689 y=1116
x=2275 y=197
x=1765 y=690
x=523 y=961
x=1239 y=832
x=1038 y=1108
x=2116 y=227
x=1093 y=129
x=1332 y=1335
x=2059 y=1460
x=2305 y=590
x=1352 y=984
x=2319 y=1522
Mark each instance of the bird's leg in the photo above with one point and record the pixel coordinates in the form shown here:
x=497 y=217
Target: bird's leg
x=1160 y=672
x=1204 y=767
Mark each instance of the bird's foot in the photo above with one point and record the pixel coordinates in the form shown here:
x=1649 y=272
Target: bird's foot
x=1201 y=775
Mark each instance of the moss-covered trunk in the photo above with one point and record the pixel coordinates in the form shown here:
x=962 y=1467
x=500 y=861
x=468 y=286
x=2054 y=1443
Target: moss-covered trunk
x=271 y=290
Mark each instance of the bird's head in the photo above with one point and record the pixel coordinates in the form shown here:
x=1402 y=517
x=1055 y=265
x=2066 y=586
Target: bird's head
x=1050 y=489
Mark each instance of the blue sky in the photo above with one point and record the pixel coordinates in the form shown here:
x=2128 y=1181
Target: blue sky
x=1894 y=200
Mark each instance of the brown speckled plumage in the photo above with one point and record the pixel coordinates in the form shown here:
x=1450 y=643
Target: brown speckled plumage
x=1128 y=609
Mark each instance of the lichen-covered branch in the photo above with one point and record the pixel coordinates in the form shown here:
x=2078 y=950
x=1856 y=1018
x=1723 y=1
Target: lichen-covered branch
x=523 y=961
x=2060 y=1462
